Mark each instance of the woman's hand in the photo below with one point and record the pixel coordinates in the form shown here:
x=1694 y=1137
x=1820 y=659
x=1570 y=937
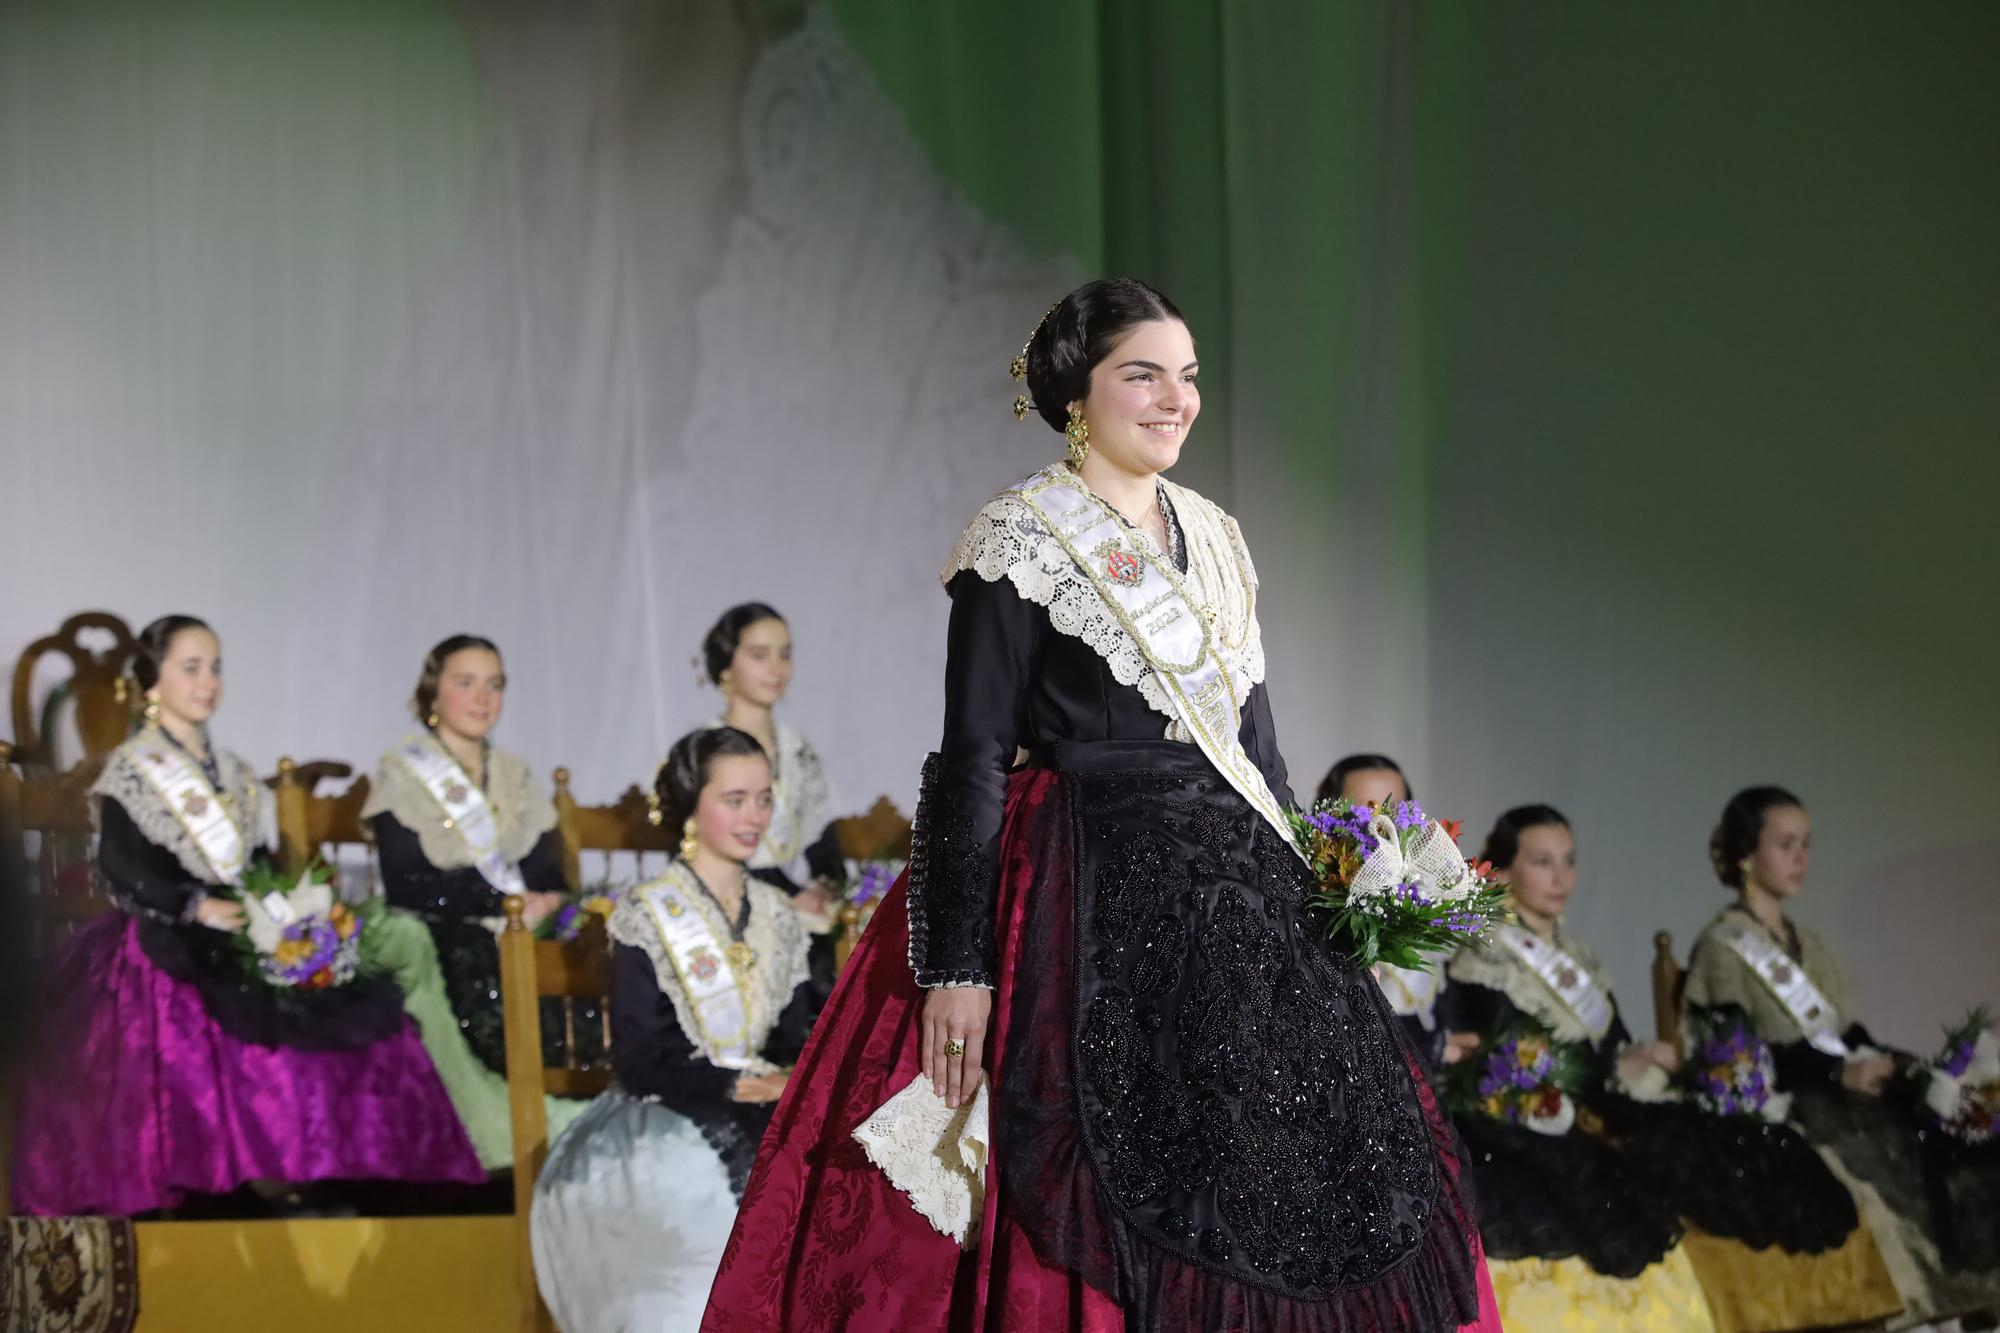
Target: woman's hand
x=1459 y=1046
x=535 y=907
x=1635 y=1060
x=815 y=900
x=221 y=914
x=760 y=1087
x=1867 y=1074
x=956 y=1013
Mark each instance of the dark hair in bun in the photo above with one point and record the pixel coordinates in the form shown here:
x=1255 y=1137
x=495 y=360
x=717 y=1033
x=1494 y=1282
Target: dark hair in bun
x=1503 y=843
x=425 y=696
x=685 y=770
x=1337 y=776
x=1742 y=827
x=718 y=646
x=154 y=643
x=1079 y=333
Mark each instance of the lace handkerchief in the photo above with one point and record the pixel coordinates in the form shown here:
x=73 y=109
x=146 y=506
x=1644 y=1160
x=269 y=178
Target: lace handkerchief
x=933 y=1154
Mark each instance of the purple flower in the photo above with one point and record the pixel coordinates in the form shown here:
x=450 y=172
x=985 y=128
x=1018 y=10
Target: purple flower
x=1409 y=815
x=1960 y=1059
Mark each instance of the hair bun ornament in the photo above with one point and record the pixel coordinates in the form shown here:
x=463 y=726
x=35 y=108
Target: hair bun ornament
x=1021 y=406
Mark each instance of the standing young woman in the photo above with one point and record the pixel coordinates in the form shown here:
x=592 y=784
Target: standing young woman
x=710 y=1005
x=167 y=1071
x=1934 y=1211
x=1199 y=1117
x=747 y=654
x=459 y=824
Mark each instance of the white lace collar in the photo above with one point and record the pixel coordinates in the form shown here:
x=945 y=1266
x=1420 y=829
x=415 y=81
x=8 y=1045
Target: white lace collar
x=774 y=932
x=124 y=783
x=1009 y=539
x=522 y=812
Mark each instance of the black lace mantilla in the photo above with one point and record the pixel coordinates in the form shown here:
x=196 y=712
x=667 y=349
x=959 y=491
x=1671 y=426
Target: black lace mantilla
x=1241 y=1097
x=951 y=882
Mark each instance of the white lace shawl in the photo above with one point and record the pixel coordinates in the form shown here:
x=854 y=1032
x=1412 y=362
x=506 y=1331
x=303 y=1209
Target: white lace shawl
x=775 y=934
x=808 y=803
x=122 y=781
x=1500 y=968
x=1009 y=539
x=522 y=812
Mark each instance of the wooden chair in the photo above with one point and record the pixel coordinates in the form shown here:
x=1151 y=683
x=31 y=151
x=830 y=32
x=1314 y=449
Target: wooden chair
x=312 y=825
x=1669 y=985
x=104 y=701
x=53 y=812
x=621 y=827
x=883 y=834
x=530 y=970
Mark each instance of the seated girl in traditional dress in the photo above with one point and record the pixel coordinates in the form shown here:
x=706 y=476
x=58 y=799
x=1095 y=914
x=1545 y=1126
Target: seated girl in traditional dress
x=1773 y=1237
x=1933 y=1209
x=1414 y=993
x=168 y=1071
x=747 y=654
x=1573 y=1238
x=711 y=1004
x=459 y=825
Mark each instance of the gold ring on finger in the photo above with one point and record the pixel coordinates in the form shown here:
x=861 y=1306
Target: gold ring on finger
x=954 y=1049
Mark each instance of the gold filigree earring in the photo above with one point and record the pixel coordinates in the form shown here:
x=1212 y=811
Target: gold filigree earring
x=152 y=709
x=690 y=841
x=1078 y=436
x=431 y=720
x=654 y=815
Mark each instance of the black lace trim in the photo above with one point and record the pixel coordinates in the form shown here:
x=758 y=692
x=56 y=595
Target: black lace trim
x=951 y=881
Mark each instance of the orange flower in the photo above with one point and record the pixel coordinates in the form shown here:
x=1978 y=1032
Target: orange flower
x=1453 y=827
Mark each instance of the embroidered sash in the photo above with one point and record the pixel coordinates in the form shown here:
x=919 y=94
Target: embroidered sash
x=200 y=810
x=1164 y=615
x=717 y=997
x=1789 y=986
x=1568 y=980
x=465 y=810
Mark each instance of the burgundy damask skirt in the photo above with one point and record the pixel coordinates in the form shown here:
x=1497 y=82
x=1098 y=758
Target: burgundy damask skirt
x=825 y=1242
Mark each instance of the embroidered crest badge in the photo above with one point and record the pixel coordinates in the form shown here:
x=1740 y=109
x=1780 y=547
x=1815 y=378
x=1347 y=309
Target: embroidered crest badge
x=455 y=793
x=195 y=804
x=704 y=965
x=1120 y=565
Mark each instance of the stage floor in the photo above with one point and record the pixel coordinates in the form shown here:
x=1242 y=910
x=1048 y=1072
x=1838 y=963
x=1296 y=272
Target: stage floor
x=344 y=1275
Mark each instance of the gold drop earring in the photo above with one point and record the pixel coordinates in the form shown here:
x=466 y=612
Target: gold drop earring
x=1078 y=436
x=654 y=815
x=152 y=709
x=690 y=842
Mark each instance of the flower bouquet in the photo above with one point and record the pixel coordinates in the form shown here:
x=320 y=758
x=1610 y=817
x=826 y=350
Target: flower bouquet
x=1729 y=1070
x=1523 y=1077
x=298 y=935
x=1962 y=1086
x=867 y=882
x=568 y=922
x=1394 y=880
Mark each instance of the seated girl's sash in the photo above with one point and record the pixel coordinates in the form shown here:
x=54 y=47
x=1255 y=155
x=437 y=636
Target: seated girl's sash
x=204 y=814
x=717 y=996
x=465 y=809
x=1789 y=986
x=1172 y=626
x=1568 y=980
x=1412 y=992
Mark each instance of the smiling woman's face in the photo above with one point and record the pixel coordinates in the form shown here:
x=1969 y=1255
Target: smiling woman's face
x=1143 y=398
x=735 y=805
